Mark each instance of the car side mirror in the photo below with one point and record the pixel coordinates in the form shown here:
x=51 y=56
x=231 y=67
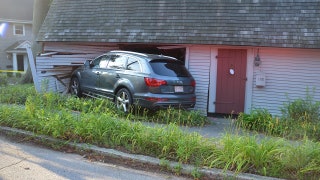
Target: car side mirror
x=88 y=64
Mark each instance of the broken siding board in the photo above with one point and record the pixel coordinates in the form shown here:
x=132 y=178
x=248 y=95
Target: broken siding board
x=52 y=74
x=57 y=68
x=78 y=49
x=61 y=63
x=57 y=60
x=77 y=56
x=44 y=67
x=52 y=84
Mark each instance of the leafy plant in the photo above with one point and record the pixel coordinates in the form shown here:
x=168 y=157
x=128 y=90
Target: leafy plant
x=16 y=94
x=300 y=118
x=302 y=109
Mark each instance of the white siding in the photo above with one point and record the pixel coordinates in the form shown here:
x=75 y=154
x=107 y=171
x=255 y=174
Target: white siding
x=199 y=67
x=289 y=73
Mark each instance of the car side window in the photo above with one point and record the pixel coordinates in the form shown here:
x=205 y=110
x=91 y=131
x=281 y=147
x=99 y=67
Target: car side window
x=133 y=65
x=104 y=62
x=117 y=62
x=98 y=62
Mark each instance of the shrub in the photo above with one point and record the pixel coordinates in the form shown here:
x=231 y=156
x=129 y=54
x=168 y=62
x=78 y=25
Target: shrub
x=300 y=119
x=302 y=109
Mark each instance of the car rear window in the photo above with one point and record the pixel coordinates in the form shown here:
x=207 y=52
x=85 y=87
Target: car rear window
x=167 y=67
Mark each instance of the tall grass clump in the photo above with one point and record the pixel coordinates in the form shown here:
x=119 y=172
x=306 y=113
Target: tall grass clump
x=302 y=109
x=246 y=154
x=300 y=118
x=16 y=94
x=177 y=116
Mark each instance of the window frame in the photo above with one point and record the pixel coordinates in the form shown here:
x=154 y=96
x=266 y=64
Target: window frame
x=15 y=29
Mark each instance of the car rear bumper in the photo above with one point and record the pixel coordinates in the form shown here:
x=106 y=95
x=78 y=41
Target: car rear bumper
x=156 y=101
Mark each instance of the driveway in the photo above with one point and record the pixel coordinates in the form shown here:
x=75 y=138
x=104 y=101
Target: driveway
x=216 y=129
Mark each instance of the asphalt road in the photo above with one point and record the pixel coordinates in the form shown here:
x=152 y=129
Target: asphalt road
x=26 y=161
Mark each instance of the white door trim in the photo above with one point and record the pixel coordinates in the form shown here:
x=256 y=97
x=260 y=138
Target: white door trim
x=213 y=80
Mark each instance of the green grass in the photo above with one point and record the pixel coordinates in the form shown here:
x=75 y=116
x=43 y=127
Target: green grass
x=98 y=122
x=269 y=157
x=16 y=94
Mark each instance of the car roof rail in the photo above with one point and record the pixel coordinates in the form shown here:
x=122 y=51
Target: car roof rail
x=129 y=52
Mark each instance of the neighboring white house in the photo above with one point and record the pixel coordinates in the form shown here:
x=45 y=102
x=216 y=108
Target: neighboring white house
x=15 y=34
x=244 y=54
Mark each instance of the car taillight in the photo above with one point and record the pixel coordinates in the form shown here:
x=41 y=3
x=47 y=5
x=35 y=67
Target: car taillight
x=152 y=82
x=193 y=83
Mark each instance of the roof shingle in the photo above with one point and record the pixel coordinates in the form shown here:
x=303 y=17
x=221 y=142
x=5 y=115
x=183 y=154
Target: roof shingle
x=275 y=23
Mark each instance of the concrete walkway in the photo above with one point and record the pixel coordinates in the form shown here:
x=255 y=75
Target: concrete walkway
x=217 y=128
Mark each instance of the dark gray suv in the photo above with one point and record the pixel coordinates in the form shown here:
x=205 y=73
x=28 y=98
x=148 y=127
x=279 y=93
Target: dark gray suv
x=130 y=78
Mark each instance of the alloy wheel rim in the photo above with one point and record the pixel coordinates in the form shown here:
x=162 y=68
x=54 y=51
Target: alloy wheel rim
x=75 y=87
x=123 y=101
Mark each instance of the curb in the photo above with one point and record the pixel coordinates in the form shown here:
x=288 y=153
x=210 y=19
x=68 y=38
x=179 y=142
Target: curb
x=211 y=173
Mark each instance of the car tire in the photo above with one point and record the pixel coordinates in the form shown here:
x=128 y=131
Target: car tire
x=123 y=100
x=75 y=87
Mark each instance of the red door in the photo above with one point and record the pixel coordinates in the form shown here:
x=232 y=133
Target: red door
x=231 y=80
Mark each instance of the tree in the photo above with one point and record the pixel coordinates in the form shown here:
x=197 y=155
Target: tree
x=40 y=10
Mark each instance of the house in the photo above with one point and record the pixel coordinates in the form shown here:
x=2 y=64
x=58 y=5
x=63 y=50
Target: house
x=15 y=34
x=244 y=54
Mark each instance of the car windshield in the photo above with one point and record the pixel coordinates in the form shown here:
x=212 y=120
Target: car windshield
x=167 y=67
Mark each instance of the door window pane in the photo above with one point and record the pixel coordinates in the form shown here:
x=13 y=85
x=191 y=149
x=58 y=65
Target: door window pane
x=134 y=65
x=117 y=63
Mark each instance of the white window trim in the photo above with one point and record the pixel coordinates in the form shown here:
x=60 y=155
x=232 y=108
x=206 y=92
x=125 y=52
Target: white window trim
x=23 y=30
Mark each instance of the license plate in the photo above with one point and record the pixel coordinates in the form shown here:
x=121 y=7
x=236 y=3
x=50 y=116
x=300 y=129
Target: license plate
x=178 y=89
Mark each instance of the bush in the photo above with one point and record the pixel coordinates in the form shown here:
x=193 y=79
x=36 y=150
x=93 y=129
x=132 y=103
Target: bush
x=300 y=119
x=302 y=109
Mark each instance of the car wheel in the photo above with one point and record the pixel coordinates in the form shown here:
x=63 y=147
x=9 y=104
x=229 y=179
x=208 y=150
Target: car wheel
x=123 y=100
x=75 y=87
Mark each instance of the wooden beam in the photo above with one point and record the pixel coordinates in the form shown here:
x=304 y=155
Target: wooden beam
x=33 y=68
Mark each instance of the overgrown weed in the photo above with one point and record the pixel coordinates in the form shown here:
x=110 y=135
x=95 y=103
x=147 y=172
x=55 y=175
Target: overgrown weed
x=97 y=122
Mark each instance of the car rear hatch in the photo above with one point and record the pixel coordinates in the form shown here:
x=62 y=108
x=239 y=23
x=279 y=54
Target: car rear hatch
x=172 y=77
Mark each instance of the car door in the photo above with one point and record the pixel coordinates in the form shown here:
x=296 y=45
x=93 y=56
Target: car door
x=112 y=73
x=90 y=75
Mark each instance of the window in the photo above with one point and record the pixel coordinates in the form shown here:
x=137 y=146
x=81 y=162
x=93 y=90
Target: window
x=133 y=65
x=118 y=63
x=101 y=61
x=169 y=68
x=104 y=62
x=18 y=29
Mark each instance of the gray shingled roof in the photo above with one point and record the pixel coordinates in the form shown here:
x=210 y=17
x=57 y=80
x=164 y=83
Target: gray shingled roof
x=275 y=23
